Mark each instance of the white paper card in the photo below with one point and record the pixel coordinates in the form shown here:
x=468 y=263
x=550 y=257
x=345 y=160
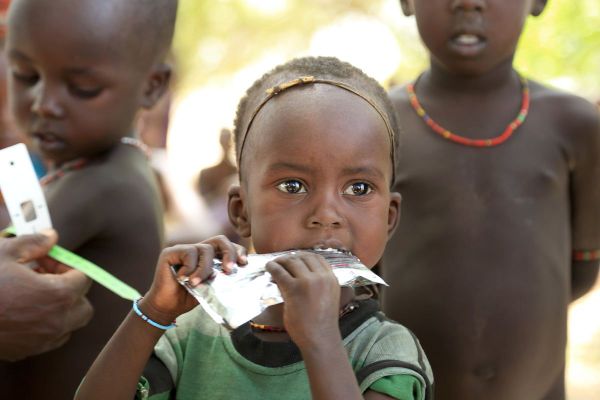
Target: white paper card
x=22 y=192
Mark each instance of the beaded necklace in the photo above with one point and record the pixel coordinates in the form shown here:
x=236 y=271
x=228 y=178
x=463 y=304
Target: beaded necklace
x=446 y=134
x=347 y=309
x=80 y=163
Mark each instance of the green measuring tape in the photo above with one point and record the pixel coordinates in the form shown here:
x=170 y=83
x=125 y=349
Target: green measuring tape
x=95 y=272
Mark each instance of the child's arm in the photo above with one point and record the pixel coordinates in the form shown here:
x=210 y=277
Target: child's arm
x=116 y=371
x=311 y=296
x=77 y=208
x=585 y=199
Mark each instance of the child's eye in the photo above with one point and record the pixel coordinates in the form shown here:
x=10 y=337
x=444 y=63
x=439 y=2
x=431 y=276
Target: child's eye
x=29 y=79
x=85 y=93
x=358 y=189
x=292 y=186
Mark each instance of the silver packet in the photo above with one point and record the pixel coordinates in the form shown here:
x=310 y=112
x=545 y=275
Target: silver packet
x=234 y=299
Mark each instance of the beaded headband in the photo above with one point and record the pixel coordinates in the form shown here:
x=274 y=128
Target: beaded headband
x=275 y=90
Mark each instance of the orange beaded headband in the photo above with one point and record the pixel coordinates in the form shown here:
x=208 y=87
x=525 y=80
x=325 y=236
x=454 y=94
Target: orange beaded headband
x=272 y=92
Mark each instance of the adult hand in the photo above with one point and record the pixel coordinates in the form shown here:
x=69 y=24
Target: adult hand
x=38 y=311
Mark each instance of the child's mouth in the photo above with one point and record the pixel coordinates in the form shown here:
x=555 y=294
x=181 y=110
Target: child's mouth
x=467 y=44
x=47 y=141
x=331 y=245
x=466 y=39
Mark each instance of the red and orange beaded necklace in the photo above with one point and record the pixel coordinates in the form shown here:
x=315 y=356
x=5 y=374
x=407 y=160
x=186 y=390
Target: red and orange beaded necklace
x=446 y=134
x=347 y=309
x=80 y=163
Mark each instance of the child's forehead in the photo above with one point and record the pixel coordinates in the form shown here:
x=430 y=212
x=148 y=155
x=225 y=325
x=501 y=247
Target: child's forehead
x=324 y=116
x=307 y=104
x=89 y=22
x=302 y=103
x=294 y=122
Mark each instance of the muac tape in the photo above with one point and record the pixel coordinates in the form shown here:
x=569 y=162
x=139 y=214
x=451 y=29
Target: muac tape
x=92 y=270
x=28 y=211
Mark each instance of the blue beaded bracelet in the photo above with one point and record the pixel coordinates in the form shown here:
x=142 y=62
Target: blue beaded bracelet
x=137 y=310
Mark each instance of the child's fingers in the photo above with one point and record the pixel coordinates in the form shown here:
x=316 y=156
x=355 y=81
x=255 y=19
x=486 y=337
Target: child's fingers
x=301 y=263
x=183 y=258
x=303 y=271
x=242 y=254
x=296 y=266
x=203 y=269
x=227 y=251
x=194 y=262
x=316 y=263
x=279 y=274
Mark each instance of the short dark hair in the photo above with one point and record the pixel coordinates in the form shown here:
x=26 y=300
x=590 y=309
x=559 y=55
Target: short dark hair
x=155 y=21
x=320 y=67
x=148 y=25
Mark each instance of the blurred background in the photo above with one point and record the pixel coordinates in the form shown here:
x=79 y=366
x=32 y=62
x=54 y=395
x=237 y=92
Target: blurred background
x=222 y=46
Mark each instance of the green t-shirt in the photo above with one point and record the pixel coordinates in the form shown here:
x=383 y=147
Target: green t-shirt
x=206 y=361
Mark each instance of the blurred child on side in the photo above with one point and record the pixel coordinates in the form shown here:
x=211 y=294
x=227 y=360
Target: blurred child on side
x=500 y=227
x=78 y=74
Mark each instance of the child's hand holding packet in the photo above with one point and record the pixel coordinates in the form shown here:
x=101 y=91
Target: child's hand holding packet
x=234 y=298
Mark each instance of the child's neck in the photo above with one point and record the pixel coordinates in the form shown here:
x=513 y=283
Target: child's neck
x=439 y=80
x=273 y=316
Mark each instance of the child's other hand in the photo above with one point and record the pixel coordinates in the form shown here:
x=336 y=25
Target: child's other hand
x=167 y=299
x=311 y=295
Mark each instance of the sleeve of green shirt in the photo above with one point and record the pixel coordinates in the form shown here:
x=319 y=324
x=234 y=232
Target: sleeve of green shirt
x=401 y=387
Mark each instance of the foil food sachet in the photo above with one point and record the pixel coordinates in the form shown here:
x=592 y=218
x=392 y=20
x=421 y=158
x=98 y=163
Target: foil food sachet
x=236 y=298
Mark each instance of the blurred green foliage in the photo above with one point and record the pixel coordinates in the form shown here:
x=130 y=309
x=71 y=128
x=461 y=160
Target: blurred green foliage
x=564 y=42
x=215 y=38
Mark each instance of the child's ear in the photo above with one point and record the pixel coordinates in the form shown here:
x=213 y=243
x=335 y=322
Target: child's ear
x=238 y=215
x=538 y=7
x=408 y=7
x=394 y=212
x=156 y=84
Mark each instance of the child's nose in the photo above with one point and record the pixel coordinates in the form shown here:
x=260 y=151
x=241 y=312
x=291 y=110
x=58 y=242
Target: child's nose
x=325 y=212
x=468 y=5
x=45 y=102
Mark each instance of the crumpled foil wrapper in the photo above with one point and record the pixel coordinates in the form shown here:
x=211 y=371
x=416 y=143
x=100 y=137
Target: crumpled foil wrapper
x=232 y=300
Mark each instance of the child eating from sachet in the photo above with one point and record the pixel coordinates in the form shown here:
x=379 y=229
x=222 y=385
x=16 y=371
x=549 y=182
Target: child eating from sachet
x=78 y=73
x=499 y=177
x=316 y=142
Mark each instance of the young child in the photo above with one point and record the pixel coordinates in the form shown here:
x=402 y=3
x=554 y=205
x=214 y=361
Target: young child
x=501 y=207
x=316 y=165
x=78 y=73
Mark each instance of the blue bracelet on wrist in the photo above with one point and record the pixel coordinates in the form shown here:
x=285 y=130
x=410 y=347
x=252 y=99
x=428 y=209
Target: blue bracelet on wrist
x=137 y=310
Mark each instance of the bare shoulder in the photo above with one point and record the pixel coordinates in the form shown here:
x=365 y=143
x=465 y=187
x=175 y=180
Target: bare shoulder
x=114 y=188
x=571 y=114
x=124 y=180
x=117 y=177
